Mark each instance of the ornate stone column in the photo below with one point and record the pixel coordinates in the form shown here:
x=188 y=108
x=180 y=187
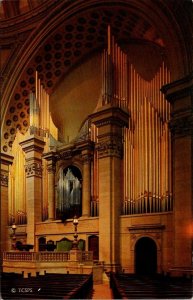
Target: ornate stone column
x=180 y=95
x=33 y=147
x=51 y=167
x=110 y=122
x=6 y=161
x=86 y=194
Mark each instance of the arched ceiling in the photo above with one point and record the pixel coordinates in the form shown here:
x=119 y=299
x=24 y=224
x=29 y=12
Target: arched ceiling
x=66 y=35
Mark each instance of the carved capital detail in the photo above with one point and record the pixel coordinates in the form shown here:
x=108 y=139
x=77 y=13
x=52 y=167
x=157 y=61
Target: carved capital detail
x=33 y=169
x=110 y=147
x=182 y=126
x=4 y=178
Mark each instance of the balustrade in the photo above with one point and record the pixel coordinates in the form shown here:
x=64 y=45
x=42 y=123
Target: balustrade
x=45 y=256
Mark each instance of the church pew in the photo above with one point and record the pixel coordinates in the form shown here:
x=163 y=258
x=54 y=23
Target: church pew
x=48 y=287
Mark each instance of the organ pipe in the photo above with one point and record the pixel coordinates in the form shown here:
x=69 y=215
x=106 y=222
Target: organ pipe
x=40 y=117
x=147 y=149
x=114 y=74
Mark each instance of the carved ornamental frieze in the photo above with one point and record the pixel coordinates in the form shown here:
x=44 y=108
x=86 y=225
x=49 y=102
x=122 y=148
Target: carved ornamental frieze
x=33 y=169
x=110 y=147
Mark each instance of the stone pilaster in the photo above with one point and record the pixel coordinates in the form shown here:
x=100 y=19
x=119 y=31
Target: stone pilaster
x=180 y=95
x=6 y=161
x=33 y=147
x=110 y=122
x=87 y=156
x=51 y=167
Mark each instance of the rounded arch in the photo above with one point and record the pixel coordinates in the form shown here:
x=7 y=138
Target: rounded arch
x=64 y=165
x=155 y=239
x=145 y=256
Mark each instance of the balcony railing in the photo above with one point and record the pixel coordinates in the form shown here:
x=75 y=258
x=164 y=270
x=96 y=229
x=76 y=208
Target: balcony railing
x=46 y=256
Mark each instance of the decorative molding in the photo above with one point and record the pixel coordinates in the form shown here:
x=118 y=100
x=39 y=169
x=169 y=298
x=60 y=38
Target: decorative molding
x=141 y=228
x=110 y=121
x=33 y=143
x=33 y=169
x=4 y=178
x=65 y=155
x=179 y=89
x=109 y=115
x=6 y=159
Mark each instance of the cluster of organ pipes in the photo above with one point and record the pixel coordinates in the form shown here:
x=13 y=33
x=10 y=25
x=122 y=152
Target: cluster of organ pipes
x=40 y=118
x=114 y=74
x=147 y=146
x=147 y=140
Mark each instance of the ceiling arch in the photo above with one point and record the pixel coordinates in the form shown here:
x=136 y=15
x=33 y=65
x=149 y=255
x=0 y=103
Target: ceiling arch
x=72 y=31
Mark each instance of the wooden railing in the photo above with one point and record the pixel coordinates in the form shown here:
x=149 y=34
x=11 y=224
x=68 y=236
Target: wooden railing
x=46 y=256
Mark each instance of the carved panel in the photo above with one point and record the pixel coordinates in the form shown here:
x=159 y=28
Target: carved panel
x=33 y=169
x=110 y=147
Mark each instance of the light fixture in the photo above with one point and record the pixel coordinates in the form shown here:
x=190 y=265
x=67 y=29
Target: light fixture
x=75 y=221
x=13 y=227
x=75 y=241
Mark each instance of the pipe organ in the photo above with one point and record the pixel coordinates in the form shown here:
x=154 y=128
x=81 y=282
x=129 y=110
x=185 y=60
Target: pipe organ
x=147 y=185
x=147 y=146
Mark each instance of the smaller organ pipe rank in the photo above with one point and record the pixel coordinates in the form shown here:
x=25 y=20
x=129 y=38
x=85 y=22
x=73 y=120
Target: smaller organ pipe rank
x=40 y=119
x=114 y=74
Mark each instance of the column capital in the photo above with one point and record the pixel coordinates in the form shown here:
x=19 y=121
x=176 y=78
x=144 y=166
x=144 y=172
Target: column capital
x=180 y=94
x=110 y=146
x=33 y=168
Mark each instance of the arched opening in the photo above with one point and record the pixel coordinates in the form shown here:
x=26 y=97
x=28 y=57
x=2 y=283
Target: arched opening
x=145 y=257
x=93 y=245
x=69 y=200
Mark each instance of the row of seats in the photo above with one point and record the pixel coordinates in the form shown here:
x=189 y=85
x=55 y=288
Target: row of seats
x=48 y=286
x=130 y=286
